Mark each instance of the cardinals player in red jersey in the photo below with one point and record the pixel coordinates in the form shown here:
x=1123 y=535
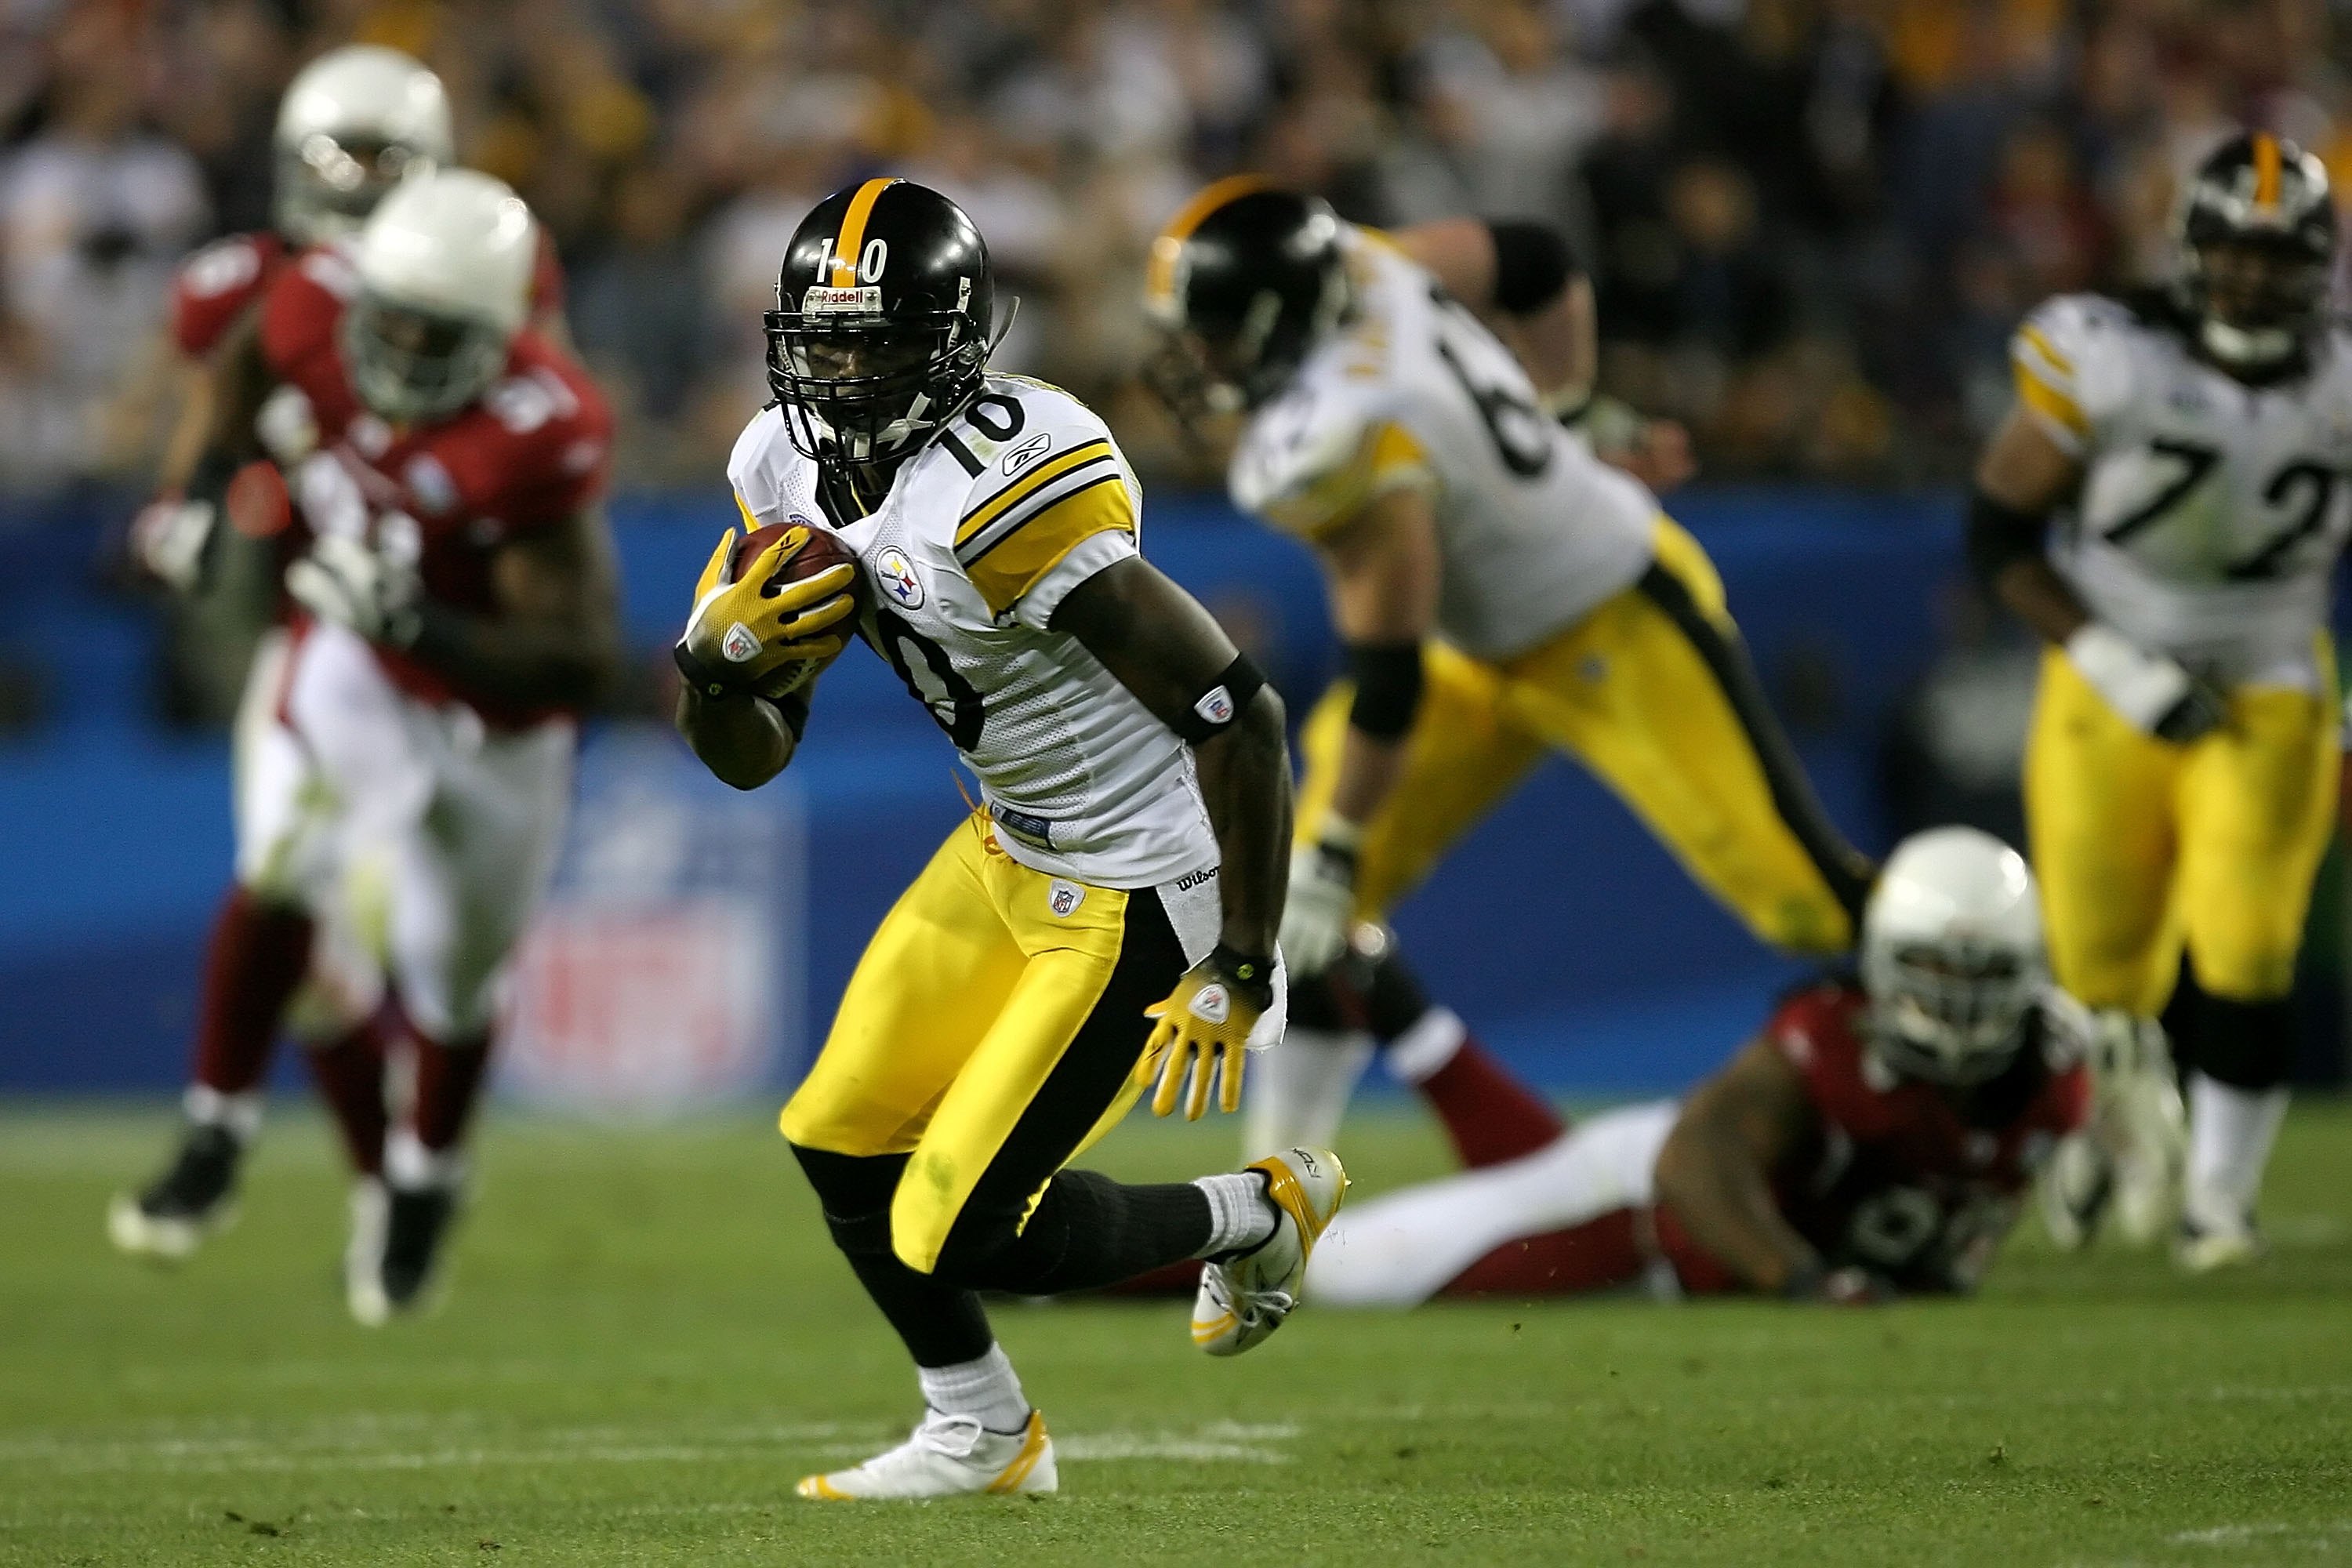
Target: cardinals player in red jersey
x=458 y=605
x=1878 y=1138
x=353 y=124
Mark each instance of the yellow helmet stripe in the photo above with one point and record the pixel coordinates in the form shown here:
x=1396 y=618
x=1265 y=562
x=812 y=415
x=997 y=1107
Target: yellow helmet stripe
x=1160 y=280
x=2266 y=170
x=852 y=237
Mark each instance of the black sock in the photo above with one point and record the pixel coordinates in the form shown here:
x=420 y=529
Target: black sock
x=940 y=1324
x=1089 y=1232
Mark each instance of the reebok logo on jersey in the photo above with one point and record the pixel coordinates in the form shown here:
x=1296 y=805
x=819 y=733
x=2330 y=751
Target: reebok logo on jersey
x=895 y=573
x=1028 y=452
x=1217 y=706
x=1210 y=1004
x=1064 y=898
x=741 y=644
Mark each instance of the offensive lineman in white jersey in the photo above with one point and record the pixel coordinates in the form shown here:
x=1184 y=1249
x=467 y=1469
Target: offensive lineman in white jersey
x=1127 y=863
x=1502 y=591
x=2181 y=774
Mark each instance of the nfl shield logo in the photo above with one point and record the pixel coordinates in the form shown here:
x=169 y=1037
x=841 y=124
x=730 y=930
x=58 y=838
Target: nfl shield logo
x=1064 y=898
x=741 y=644
x=1217 y=706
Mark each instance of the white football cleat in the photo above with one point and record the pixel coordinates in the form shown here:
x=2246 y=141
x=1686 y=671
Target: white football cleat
x=947 y=1456
x=2206 y=1243
x=1243 y=1299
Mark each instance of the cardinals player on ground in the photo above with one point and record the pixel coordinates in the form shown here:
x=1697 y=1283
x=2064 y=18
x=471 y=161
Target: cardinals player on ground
x=1878 y=1137
x=457 y=604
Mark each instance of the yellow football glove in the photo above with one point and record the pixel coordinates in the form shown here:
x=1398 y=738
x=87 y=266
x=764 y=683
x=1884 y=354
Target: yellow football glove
x=1206 y=1028
x=740 y=638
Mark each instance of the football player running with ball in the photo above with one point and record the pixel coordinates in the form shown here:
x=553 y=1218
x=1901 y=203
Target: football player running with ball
x=1503 y=593
x=1104 y=922
x=2182 y=767
x=1875 y=1139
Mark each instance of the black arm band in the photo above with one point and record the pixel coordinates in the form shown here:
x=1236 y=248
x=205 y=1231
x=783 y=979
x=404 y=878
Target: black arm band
x=1998 y=535
x=1532 y=264
x=1388 y=688
x=1220 y=708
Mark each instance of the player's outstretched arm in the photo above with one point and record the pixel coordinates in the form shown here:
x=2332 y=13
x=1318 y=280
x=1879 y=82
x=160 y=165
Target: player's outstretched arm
x=557 y=639
x=1160 y=644
x=1715 y=1171
x=212 y=434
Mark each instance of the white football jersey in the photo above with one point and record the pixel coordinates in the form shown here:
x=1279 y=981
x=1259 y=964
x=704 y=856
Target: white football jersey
x=1412 y=390
x=2212 y=512
x=1023 y=496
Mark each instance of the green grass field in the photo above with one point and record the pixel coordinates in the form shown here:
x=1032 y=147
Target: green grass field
x=649 y=1339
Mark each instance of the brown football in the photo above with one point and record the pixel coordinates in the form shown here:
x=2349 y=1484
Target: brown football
x=821 y=552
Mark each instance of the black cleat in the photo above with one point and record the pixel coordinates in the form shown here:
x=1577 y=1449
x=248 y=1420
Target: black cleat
x=416 y=1225
x=188 y=1202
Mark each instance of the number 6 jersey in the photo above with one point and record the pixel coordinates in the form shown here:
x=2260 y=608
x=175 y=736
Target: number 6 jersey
x=984 y=532
x=1413 y=392
x=2210 y=512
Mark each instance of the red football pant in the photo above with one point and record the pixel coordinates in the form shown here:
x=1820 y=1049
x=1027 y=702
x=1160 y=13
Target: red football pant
x=257 y=956
x=349 y=1071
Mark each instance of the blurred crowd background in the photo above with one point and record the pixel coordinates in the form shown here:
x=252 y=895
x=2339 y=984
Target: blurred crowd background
x=1813 y=221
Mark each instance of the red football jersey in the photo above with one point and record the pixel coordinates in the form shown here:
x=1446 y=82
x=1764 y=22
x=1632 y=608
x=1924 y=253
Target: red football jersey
x=216 y=285
x=1915 y=1183
x=532 y=450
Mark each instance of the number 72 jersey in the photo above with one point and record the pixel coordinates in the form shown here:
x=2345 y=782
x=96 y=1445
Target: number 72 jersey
x=1413 y=392
x=2212 y=512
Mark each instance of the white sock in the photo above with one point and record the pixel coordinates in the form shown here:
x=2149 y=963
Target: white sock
x=1297 y=1092
x=2230 y=1132
x=1428 y=1045
x=987 y=1390
x=1239 y=1214
x=409 y=1164
x=208 y=1107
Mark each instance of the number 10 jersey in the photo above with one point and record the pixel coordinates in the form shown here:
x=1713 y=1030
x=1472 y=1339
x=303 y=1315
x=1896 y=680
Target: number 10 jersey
x=1413 y=392
x=2210 y=512
x=984 y=532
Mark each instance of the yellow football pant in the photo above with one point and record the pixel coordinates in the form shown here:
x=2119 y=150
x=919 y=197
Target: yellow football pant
x=990 y=1032
x=1654 y=693
x=2141 y=846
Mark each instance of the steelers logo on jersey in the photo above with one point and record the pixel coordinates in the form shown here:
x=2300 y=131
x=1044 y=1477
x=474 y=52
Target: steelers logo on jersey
x=896 y=574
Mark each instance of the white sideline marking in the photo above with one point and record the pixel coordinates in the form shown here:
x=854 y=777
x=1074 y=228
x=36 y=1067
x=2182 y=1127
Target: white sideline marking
x=2318 y=1535
x=357 y=1445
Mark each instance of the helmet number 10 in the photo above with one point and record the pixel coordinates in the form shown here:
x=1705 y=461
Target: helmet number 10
x=870 y=260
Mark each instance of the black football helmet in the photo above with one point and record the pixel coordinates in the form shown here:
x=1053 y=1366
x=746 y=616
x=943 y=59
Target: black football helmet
x=880 y=333
x=2258 y=251
x=1245 y=282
